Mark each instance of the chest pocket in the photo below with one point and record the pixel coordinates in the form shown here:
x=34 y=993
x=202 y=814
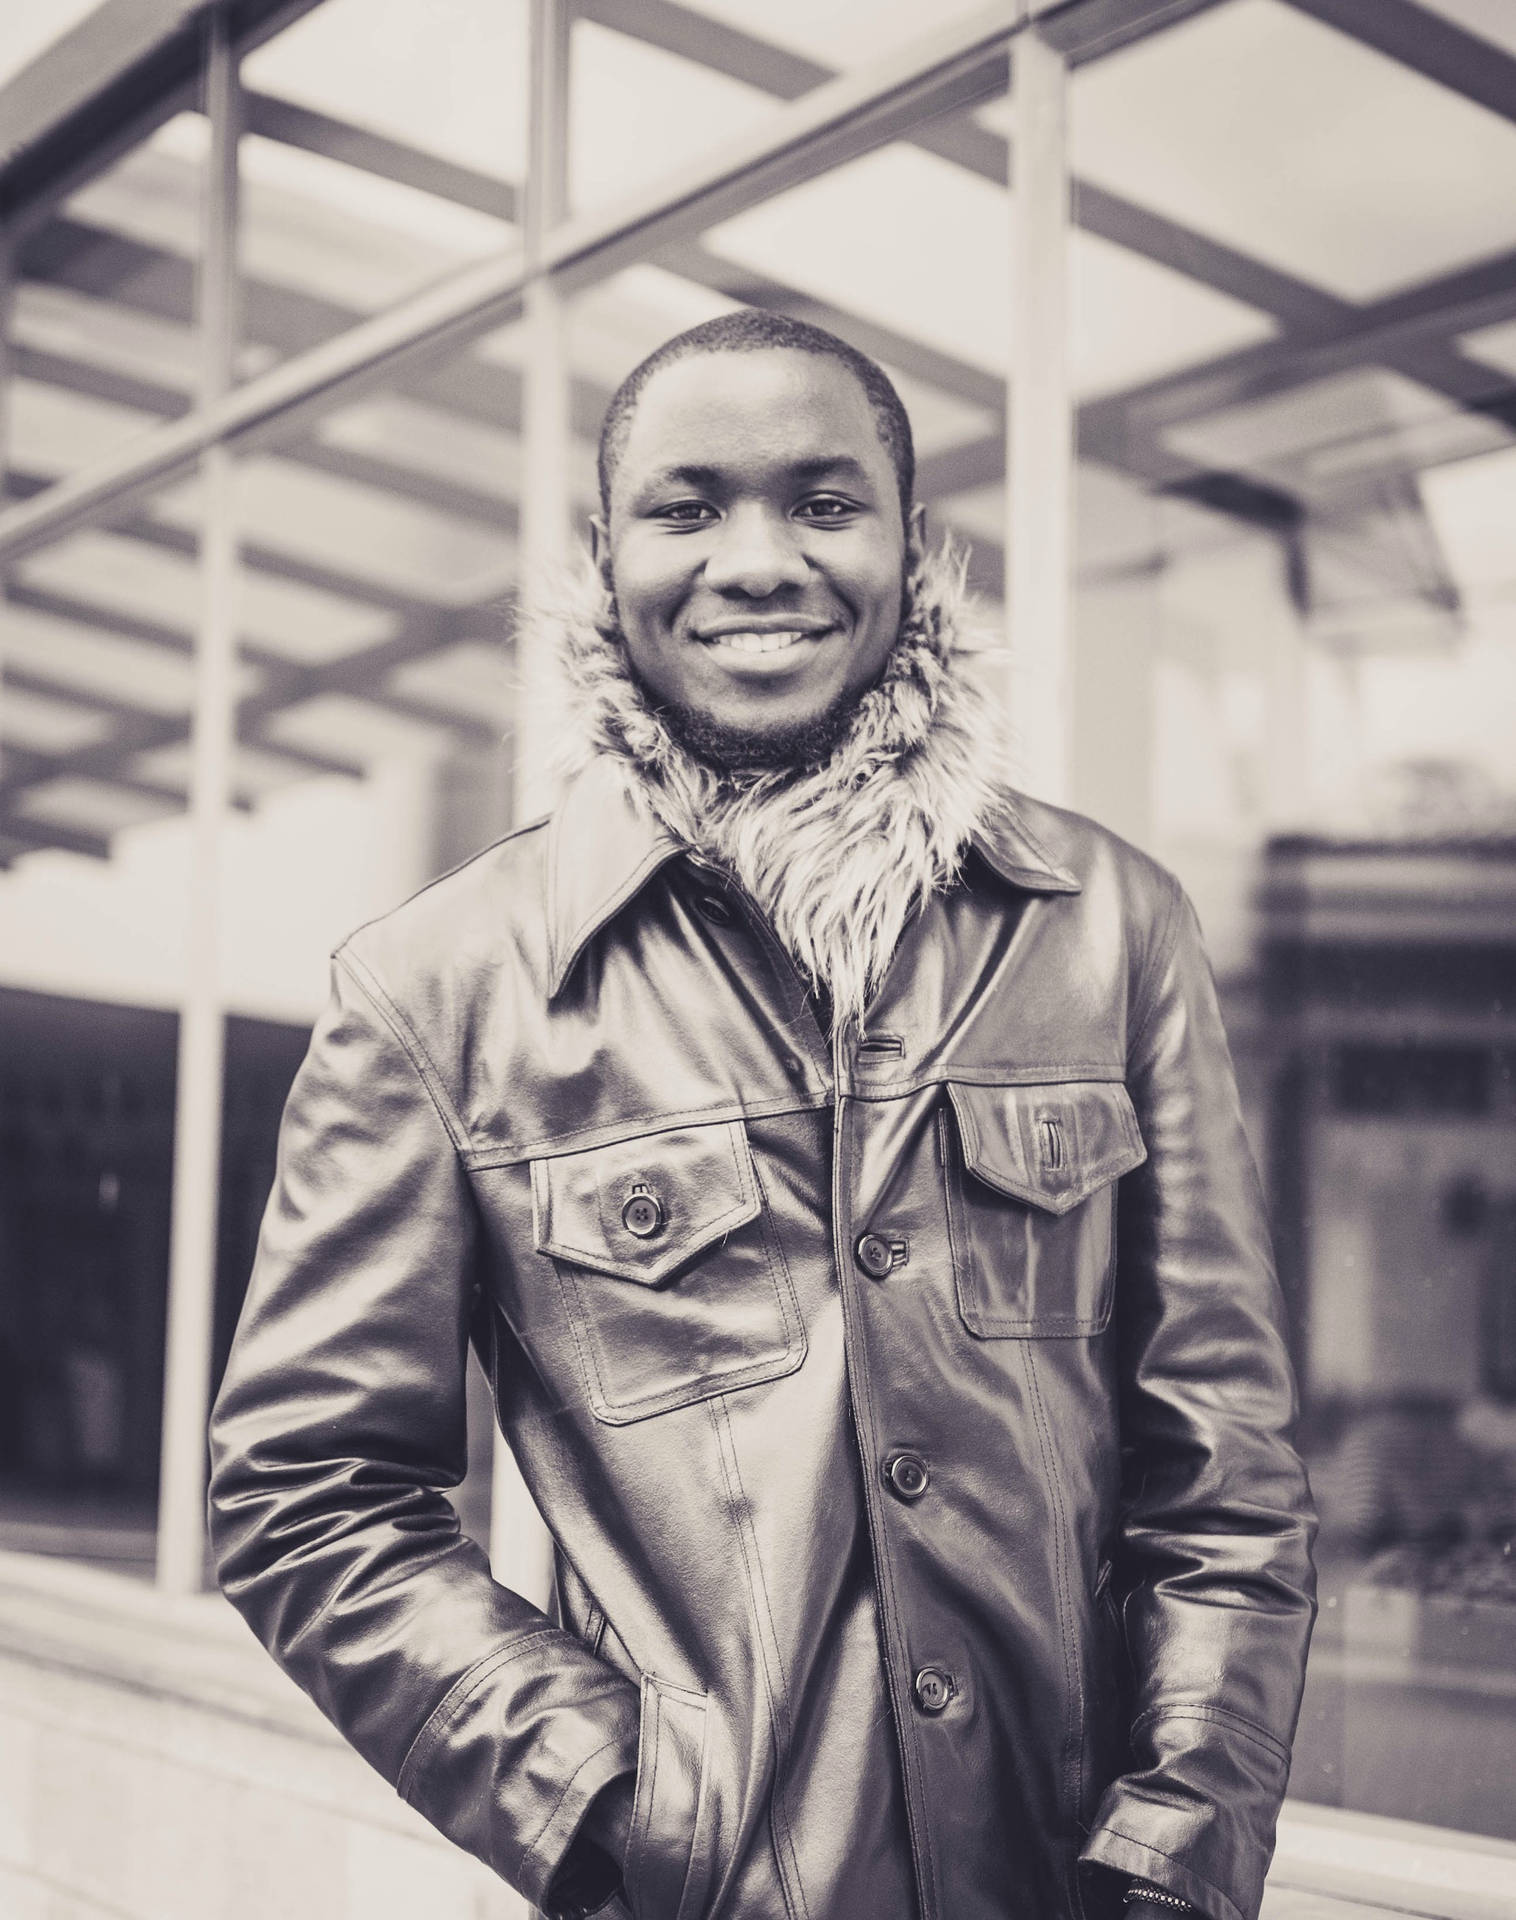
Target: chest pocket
x=671 y=1272
x=1032 y=1204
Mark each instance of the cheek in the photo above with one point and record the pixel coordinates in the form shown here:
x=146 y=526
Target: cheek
x=880 y=593
x=649 y=585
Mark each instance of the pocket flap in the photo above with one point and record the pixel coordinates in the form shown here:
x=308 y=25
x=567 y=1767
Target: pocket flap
x=640 y=1209
x=1048 y=1145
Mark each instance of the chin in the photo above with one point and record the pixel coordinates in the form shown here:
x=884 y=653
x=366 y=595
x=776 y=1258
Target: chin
x=734 y=748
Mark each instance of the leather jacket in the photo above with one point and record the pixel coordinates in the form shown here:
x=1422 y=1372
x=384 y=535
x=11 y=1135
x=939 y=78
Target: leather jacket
x=910 y=1411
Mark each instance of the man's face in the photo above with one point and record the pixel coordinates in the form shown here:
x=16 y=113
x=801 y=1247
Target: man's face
x=756 y=550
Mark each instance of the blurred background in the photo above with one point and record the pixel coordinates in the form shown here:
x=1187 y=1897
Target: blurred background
x=308 y=313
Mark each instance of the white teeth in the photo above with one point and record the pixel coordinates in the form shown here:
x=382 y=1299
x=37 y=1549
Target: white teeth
x=758 y=642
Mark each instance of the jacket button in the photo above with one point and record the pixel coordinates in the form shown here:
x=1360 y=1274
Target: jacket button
x=934 y=1688
x=907 y=1475
x=643 y=1213
x=874 y=1254
x=715 y=909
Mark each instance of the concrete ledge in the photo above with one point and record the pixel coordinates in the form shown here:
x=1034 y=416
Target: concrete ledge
x=1389 y=1866
x=156 y=1765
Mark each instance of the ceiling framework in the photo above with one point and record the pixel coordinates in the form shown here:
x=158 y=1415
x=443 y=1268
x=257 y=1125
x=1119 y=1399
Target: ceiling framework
x=334 y=442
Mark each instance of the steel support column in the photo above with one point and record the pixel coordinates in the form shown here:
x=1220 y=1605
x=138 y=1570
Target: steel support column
x=198 y=1098
x=520 y=1549
x=1040 y=426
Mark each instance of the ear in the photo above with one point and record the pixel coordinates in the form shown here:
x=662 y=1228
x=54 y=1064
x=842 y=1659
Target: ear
x=915 y=536
x=600 y=550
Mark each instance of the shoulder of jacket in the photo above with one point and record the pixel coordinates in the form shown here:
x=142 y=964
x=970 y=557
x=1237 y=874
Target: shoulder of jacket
x=482 y=898
x=1097 y=857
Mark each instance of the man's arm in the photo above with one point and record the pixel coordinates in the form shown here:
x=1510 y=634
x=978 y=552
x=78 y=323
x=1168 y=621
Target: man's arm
x=1214 y=1557
x=340 y=1422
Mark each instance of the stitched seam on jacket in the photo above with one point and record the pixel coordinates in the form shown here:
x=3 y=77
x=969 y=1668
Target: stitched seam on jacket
x=642 y=1821
x=1074 y=1732
x=410 y=1044
x=447 y=1708
x=726 y=1451
x=1203 y=1710
x=1168 y=939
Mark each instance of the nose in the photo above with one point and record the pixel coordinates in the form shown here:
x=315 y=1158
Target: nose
x=756 y=554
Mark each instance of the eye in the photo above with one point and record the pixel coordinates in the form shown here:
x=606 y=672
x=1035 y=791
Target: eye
x=685 y=513
x=827 y=509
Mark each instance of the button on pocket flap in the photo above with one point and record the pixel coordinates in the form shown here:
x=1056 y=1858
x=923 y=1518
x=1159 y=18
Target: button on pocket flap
x=1050 y=1145
x=640 y=1209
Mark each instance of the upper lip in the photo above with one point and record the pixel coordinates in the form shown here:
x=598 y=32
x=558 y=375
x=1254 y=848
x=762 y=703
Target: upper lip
x=763 y=623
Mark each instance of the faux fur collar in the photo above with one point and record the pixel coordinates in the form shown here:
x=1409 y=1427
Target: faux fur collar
x=839 y=856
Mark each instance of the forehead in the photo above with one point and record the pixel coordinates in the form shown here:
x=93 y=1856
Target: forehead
x=745 y=412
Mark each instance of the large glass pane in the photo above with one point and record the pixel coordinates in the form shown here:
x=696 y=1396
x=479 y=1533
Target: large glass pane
x=657 y=87
x=372 y=712
x=101 y=336
x=385 y=148
x=1296 y=683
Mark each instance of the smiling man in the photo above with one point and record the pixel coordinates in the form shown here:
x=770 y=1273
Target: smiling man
x=834 y=1160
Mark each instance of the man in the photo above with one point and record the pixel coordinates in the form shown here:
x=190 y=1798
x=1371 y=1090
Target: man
x=835 y=1162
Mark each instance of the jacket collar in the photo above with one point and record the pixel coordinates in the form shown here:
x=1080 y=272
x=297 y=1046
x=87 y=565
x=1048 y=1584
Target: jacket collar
x=603 y=849
x=1008 y=845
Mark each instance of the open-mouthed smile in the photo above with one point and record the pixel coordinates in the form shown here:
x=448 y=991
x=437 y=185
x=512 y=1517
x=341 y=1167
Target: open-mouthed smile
x=751 y=640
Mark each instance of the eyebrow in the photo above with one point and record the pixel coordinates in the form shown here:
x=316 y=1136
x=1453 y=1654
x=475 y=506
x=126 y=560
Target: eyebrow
x=816 y=468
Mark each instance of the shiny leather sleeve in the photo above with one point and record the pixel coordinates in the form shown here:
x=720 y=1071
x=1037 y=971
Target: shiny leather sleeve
x=341 y=1420
x=1214 y=1557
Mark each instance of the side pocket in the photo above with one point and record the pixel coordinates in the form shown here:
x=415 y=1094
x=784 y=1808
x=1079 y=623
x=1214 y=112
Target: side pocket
x=668 y=1858
x=1124 y=1687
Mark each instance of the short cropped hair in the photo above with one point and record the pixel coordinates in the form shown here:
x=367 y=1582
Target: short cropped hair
x=753 y=330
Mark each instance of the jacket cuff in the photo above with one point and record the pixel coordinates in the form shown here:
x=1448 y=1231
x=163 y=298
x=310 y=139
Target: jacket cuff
x=511 y=1758
x=1136 y=1859
x=549 y=1852
x=586 y=1878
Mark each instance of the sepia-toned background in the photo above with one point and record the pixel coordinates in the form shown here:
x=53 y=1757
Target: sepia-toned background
x=308 y=313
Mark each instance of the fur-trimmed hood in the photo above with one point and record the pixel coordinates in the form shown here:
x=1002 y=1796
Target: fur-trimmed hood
x=838 y=855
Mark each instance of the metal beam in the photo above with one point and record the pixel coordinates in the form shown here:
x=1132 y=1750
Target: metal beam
x=201 y=1073
x=1429 y=43
x=520 y=1548
x=37 y=767
x=420 y=485
x=351 y=674
x=84 y=64
x=837 y=122
x=691 y=35
x=92 y=261
x=258 y=557
x=363 y=469
x=41 y=836
x=286 y=684
x=1085 y=30
x=94 y=382
x=408 y=166
x=1080 y=31
x=1392 y=332
x=1039 y=443
x=694 y=261
x=105 y=86
x=960 y=469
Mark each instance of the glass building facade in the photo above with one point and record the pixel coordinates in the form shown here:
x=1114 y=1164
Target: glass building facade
x=1204 y=312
